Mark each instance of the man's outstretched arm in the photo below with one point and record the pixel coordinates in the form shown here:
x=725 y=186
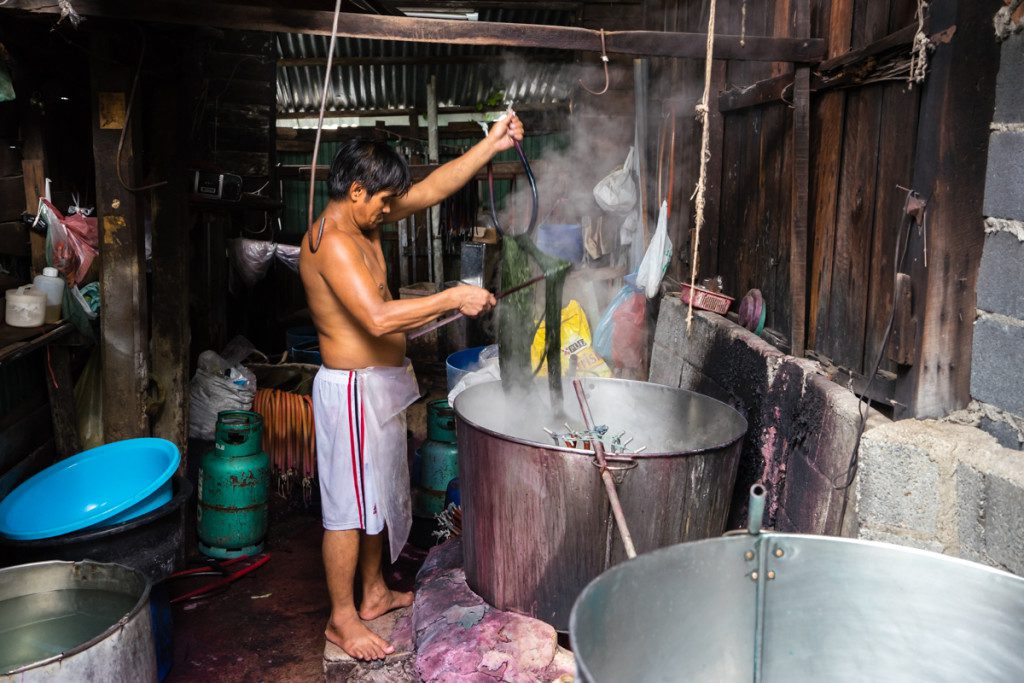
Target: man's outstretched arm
x=453 y=176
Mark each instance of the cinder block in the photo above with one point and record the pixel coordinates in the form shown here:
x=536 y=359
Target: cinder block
x=997 y=363
x=897 y=486
x=970 y=512
x=1001 y=276
x=1004 y=524
x=1009 y=94
x=1005 y=434
x=1004 y=180
x=869 y=534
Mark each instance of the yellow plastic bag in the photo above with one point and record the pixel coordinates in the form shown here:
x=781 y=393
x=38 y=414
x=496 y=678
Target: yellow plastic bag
x=576 y=344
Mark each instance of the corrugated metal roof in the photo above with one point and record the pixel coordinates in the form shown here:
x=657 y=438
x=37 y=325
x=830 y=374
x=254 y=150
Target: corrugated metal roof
x=375 y=87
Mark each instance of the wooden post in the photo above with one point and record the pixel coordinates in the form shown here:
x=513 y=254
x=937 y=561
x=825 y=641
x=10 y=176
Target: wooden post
x=33 y=169
x=801 y=182
x=123 y=330
x=61 y=390
x=433 y=226
x=949 y=173
x=168 y=136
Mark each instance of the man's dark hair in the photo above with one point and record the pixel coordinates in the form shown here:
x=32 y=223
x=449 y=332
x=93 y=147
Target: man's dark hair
x=371 y=163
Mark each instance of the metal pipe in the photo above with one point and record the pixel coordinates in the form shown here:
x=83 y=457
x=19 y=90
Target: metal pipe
x=606 y=476
x=434 y=236
x=755 y=513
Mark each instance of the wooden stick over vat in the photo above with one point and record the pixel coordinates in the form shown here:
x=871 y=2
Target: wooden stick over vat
x=606 y=476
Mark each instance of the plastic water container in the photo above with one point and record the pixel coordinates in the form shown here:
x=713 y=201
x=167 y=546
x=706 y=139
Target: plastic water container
x=461 y=363
x=562 y=240
x=52 y=284
x=26 y=307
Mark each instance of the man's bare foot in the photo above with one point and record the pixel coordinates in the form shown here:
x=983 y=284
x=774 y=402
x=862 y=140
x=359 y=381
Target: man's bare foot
x=379 y=600
x=359 y=642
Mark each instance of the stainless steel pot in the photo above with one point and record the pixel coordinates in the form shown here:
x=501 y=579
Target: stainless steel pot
x=536 y=521
x=774 y=607
x=75 y=621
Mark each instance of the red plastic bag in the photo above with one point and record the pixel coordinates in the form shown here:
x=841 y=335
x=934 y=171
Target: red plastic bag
x=629 y=334
x=72 y=242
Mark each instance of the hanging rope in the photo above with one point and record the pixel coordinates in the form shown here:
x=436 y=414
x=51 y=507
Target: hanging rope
x=705 y=140
x=319 y=129
x=604 y=59
x=919 y=50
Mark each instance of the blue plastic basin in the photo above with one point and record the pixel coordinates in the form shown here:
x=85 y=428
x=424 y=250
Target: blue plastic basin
x=105 y=485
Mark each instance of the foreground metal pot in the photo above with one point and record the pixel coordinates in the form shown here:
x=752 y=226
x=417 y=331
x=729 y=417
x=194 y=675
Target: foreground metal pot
x=536 y=522
x=789 y=608
x=121 y=652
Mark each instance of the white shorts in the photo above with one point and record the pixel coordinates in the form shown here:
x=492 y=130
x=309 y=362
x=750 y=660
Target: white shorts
x=348 y=494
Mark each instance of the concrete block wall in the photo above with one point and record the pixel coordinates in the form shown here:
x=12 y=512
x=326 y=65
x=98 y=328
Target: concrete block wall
x=997 y=363
x=802 y=427
x=942 y=487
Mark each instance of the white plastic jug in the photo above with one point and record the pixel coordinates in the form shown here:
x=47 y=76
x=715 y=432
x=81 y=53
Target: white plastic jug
x=52 y=285
x=26 y=307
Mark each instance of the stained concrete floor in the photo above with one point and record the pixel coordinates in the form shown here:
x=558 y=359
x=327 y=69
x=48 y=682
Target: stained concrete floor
x=268 y=625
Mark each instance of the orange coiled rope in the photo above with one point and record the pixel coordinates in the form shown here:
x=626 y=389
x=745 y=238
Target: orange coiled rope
x=289 y=438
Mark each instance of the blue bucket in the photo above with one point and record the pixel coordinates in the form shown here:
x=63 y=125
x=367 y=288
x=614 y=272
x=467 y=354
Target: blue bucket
x=461 y=363
x=561 y=240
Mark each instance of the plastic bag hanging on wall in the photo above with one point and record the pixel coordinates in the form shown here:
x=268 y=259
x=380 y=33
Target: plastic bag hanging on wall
x=656 y=260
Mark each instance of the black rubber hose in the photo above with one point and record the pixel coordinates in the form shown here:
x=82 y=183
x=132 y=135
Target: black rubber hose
x=494 y=208
x=533 y=187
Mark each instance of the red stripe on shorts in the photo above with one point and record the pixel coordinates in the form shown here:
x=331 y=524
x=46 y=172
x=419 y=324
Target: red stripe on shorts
x=352 y=450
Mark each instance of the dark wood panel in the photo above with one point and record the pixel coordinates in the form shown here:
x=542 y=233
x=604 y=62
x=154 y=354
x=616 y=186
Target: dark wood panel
x=12 y=197
x=957 y=101
x=21 y=432
x=14 y=239
x=843 y=338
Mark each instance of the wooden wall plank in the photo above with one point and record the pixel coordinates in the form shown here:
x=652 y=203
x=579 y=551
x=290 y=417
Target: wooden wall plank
x=170 y=242
x=798 y=228
x=900 y=110
x=123 y=325
x=957 y=100
x=14 y=239
x=826 y=152
x=12 y=197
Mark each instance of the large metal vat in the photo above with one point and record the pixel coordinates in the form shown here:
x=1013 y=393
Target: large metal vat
x=75 y=621
x=536 y=522
x=787 y=608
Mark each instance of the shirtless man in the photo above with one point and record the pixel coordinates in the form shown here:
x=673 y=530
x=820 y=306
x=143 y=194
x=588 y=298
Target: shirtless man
x=361 y=391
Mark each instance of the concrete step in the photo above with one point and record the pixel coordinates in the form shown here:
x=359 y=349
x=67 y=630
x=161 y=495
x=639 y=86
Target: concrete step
x=394 y=627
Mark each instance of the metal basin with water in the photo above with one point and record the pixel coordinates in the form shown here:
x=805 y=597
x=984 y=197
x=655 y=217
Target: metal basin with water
x=787 y=608
x=75 y=621
x=536 y=522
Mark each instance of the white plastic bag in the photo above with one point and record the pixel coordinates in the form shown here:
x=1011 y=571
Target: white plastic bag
x=616 y=192
x=659 y=254
x=217 y=385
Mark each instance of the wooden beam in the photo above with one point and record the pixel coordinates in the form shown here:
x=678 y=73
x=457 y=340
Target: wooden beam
x=502 y=169
x=801 y=183
x=832 y=73
x=426 y=61
x=171 y=222
x=370 y=113
x=365 y=26
x=957 y=101
x=124 y=341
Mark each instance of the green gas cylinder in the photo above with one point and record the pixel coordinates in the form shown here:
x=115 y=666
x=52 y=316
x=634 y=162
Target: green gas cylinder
x=234 y=484
x=437 y=460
